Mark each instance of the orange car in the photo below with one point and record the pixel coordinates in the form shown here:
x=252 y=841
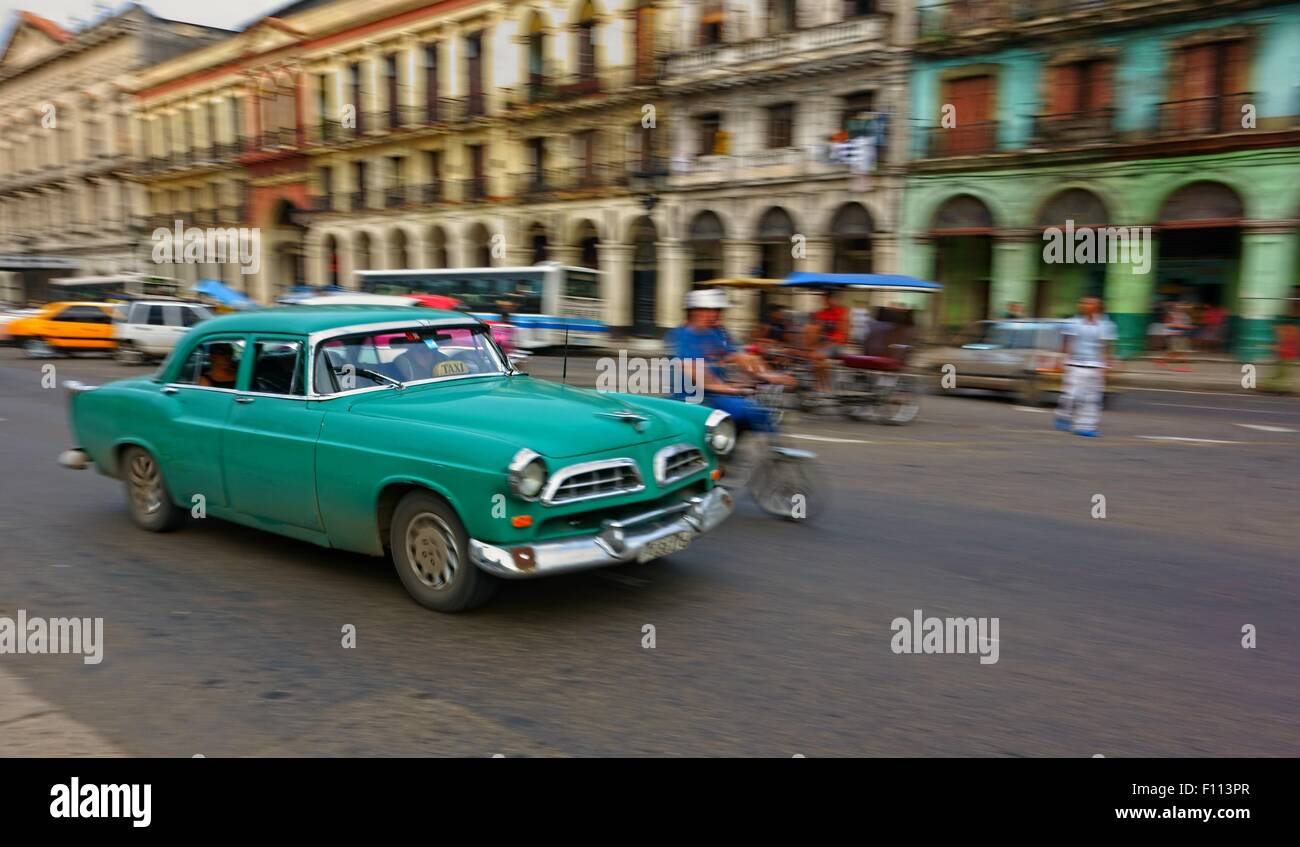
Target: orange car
x=66 y=327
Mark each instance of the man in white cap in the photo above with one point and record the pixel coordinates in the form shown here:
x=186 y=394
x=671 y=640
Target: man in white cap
x=704 y=347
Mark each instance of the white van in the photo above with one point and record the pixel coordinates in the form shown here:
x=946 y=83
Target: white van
x=152 y=328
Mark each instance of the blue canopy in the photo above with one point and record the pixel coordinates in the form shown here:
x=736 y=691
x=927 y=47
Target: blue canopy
x=222 y=294
x=880 y=282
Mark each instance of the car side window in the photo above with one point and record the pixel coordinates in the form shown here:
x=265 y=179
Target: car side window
x=277 y=367
x=83 y=314
x=156 y=316
x=213 y=364
x=138 y=313
x=190 y=315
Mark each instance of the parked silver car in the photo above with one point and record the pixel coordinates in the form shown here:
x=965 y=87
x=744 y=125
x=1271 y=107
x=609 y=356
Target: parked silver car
x=150 y=329
x=1021 y=356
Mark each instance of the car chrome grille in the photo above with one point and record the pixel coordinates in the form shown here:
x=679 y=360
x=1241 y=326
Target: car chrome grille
x=678 y=461
x=590 y=480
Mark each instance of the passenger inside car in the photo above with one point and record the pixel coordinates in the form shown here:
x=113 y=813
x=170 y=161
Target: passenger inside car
x=418 y=361
x=221 y=370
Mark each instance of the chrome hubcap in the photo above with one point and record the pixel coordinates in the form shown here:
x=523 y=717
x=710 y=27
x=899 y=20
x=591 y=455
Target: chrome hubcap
x=146 y=485
x=431 y=551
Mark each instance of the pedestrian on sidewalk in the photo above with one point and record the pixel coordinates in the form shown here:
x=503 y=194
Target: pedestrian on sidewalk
x=1086 y=341
x=1287 y=348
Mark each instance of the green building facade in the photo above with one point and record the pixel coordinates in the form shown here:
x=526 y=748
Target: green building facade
x=1174 y=122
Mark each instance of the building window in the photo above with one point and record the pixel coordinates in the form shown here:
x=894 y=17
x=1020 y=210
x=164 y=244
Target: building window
x=393 y=94
x=859 y=8
x=1208 y=85
x=357 y=104
x=474 y=72
x=359 y=199
x=587 y=43
x=711 y=23
x=782 y=16
x=972 y=99
x=537 y=162
x=431 y=82
x=711 y=139
x=478 y=180
x=780 y=126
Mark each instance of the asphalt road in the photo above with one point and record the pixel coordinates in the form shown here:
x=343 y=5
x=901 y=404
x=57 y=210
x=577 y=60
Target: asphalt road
x=1118 y=636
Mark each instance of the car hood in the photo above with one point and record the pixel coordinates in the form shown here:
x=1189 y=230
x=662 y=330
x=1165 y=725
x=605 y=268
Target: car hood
x=558 y=421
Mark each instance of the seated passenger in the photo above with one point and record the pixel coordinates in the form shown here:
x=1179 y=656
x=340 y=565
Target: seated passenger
x=221 y=370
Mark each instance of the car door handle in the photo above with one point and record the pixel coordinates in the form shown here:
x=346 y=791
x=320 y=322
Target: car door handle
x=167 y=389
x=245 y=400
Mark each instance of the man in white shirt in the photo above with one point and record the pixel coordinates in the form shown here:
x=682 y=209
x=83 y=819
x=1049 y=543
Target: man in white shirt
x=1086 y=341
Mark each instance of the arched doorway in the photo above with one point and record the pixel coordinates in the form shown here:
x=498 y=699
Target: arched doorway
x=1059 y=285
x=588 y=244
x=331 y=248
x=851 y=230
x=962 y=229
x=479 y=247
x=705 y=240
x=437 y=248
x=775 y=230
x=645 y=277
x=398 y=249
x=1199 y=257
x=538 y=248
x=285 y=240
x=361 y=252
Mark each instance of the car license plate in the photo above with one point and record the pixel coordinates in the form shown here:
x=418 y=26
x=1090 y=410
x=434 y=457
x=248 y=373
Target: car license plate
x=663 y=546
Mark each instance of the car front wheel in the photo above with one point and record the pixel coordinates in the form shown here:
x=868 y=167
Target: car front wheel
x=430 y=550
x=38 y=348
x=146 y=492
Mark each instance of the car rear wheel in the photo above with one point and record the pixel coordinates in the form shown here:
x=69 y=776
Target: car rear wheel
x=430 y=550
x=38 y=348
x=128 y=354
x=146 y=492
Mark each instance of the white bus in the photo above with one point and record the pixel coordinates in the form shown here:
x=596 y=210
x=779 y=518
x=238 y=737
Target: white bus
x=128 y=286
x=543 y=299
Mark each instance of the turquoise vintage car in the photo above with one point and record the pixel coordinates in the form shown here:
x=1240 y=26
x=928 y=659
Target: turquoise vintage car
x=404 y=432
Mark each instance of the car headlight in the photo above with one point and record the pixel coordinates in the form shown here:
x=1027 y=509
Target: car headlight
x=527 y=474
x=721 y=430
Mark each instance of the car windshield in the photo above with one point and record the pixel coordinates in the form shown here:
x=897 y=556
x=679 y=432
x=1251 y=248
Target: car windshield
x=401 y=356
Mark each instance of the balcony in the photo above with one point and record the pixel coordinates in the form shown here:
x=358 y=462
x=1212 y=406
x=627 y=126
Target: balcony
x=358 y=201
x=1075 y=129
x=944 y=20
x=322 y=203
x=1201 y=116
x=797 y=46
x=431 y=192
x=394 y=196
x=532 y=185
x=975 y=139
x=778 y=163
x=474 y=189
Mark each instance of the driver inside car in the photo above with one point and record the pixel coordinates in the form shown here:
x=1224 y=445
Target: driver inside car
x=419 y=361
x=221 y=370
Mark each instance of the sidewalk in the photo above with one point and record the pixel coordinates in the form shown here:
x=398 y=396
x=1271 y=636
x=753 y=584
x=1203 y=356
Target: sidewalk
x=1218 y=373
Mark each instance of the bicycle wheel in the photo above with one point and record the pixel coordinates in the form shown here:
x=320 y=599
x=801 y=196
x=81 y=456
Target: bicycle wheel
x=787 y=488
x=900 y=406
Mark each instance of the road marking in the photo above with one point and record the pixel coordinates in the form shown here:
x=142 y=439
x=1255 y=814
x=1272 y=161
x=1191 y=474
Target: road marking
x=829 y=439
x=1192 y=440
x=1032 y=409
x=1265 y=428
x=1186 y=391
x=1228 y=409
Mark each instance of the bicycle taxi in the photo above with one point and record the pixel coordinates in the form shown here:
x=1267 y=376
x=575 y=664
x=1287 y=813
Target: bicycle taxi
x=867 y=378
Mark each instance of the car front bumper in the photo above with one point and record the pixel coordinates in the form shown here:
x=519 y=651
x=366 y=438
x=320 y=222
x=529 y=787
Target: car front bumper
x=617 y=543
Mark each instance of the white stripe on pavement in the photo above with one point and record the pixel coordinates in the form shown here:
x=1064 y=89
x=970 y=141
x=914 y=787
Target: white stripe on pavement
x=1032 y=409
x=1193 y=440
x=1228 y=409
x=1265 y=428
x=829 y=439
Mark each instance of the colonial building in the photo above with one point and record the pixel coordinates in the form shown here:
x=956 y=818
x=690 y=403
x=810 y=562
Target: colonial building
x=1178 y=115
x=788 y=123
x=66 y=156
